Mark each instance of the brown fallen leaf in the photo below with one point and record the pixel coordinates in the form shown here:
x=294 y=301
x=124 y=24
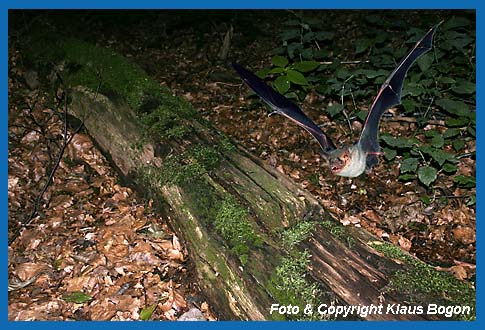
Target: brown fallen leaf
x=465 y=235
x=404 y=243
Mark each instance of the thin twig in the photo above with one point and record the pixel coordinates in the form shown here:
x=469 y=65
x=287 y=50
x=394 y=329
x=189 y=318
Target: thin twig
x=414 y=120
x=66 y=142
x=342 y=102
x=344 y=62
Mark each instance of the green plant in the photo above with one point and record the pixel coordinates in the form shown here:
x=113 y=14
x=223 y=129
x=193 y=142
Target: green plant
x=433 y=93
x=438 y=93
x=289 y=73
x=304 y=38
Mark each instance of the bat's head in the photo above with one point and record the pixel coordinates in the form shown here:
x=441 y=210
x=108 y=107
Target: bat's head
x=348 y=161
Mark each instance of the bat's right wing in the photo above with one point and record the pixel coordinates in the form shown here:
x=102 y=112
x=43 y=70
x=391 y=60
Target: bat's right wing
x=390 y=95
x=285 y=107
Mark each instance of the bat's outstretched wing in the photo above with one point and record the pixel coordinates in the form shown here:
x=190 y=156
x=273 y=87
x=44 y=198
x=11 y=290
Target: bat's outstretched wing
x=390 y=95
x=283 y=106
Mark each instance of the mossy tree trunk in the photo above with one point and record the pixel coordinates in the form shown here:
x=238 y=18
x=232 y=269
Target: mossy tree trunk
x=255 y=238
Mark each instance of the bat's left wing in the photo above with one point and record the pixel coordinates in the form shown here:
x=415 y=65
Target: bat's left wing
x=285 y=107
x=390 y=95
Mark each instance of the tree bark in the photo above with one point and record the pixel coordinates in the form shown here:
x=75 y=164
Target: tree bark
x=344 y=268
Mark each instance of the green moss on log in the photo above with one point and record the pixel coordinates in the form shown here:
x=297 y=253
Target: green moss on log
x=422 y=280
x=289 y=283
x=162 y=113
x=231 y=222
x=290 y=237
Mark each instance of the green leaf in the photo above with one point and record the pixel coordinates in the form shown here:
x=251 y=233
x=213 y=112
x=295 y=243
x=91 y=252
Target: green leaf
x=307 y=53
x=277 y=70
x=465 y=181
x=455 y=107
x=362 y=114
x=296 y=77
x=426 y=199
x=425 y=62
x=294 y=46
x=409 y=105
x=471 y=131
x=343 y=73
x=407 y=176
x=409 y=165
x=398 y=142
x=413 y=88
x=427 y=175
x=457 y=122
x=290 y=34
x=146 y=313
x=451 y=132
x=280 y=61
x=464 y=87
x=458 y=144
x=320 y=54
x=306 y=66
x=263 y=73
x=77 y=297
x=308 y=37
x=371 y=74
x=390 y=154
x=456 y=21
x=324 y=35
x=282 y=84
x=450 y=168
x=472 y=200
x=361 y=45
x=335 y=109
x=441 y=156
x=446 y=80
x=461 y=41
x=437 y=141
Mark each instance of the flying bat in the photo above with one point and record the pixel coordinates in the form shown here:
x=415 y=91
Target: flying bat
x=348 y=161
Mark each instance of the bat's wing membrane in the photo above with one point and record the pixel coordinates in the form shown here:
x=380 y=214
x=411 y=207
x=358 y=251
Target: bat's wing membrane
x=283 y=106
x=390 y=95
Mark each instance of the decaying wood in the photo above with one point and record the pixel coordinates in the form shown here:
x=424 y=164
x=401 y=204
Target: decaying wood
x=355 y=274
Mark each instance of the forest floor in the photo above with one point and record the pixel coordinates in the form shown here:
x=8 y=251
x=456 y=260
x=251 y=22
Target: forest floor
x=86 y=202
